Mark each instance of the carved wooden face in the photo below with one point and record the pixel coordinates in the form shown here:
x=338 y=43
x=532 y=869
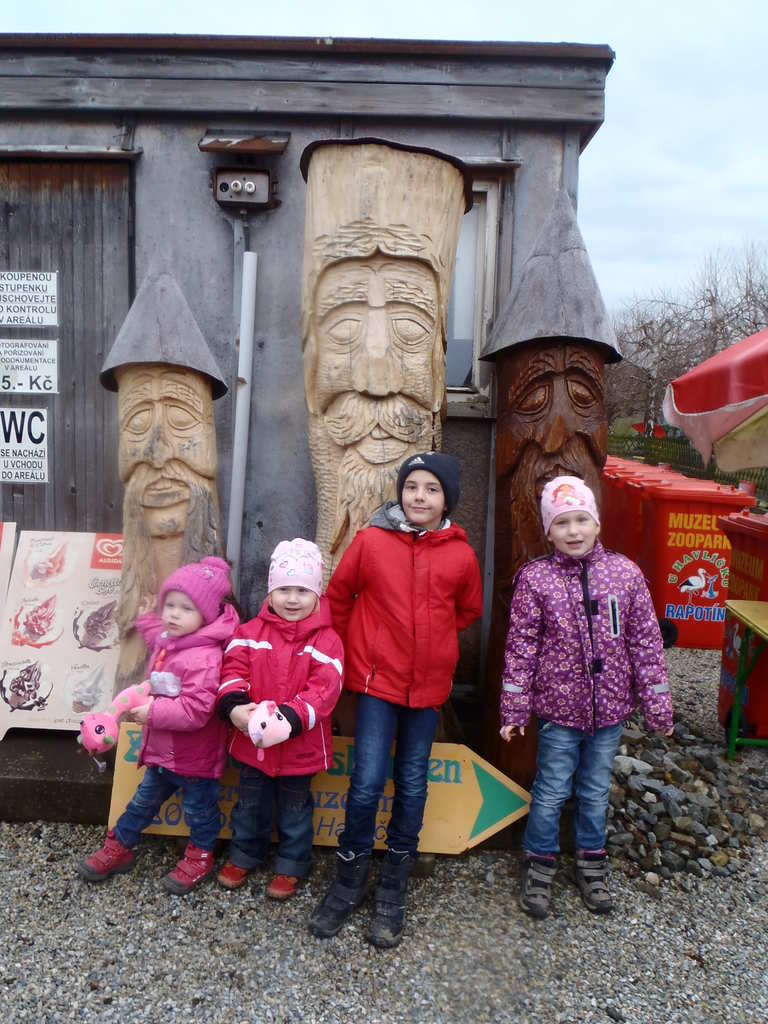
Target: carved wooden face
x=167 y=441
x=376 y=329
x=551 y=422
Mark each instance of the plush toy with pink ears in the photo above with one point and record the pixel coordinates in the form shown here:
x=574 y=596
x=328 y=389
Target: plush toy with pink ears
x=99 y=731
x=267 y=726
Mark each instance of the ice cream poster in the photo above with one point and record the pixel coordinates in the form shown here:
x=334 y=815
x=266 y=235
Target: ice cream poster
x=59 y=636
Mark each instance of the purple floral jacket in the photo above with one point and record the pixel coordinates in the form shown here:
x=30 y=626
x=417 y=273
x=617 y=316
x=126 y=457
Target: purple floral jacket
x=583 y=647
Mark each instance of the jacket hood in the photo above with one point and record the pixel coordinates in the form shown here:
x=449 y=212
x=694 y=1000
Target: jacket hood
x=391 y=517
x=215 y=633
x=317 y=620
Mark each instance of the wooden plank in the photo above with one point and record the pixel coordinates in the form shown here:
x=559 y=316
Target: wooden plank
x=544 y=74
x=477 y=102
x=71 y=217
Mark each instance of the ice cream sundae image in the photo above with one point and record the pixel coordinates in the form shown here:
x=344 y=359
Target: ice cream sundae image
x=47 y=566
x=34 y=626
x=86 y=689
x=22 y=691
x=96 y=630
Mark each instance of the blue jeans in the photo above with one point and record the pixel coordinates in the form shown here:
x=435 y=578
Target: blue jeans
x=199 y=799
x=251 y=821
x=571 y=759
x=377 y=723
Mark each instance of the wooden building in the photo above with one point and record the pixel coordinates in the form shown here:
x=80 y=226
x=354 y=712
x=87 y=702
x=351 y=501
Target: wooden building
x=109 y=148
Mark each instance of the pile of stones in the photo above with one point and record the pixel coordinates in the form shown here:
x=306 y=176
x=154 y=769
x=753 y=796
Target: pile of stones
x=679 y=811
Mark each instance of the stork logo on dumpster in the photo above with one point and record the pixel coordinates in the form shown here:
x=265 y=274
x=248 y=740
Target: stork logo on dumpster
x=701 y=578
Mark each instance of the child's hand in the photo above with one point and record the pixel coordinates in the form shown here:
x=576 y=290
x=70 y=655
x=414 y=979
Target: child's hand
x=240 y=714
x=508 y=731
x=662 y=732
x=141 y=713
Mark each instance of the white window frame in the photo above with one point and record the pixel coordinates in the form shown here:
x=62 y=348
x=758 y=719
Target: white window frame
x=475 y=401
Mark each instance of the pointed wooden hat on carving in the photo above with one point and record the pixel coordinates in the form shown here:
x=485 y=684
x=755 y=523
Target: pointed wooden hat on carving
x=557 y=297
x=161 y=329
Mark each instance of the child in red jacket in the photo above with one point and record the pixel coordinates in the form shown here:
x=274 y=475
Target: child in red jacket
x=290 y=656
x=400 y=594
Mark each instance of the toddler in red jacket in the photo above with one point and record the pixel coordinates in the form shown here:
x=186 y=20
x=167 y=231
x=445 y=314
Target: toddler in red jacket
x=183 y=743
x=403 y=589
x=286 y=667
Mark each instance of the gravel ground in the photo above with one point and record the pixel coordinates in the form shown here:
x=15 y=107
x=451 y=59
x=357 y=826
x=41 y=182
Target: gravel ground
x=125 y=951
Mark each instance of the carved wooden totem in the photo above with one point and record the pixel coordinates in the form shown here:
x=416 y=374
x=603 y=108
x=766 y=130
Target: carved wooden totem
x=550 y=345
x=166 y=381
x=382 y=227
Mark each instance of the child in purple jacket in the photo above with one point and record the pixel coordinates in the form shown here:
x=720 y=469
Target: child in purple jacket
x=583 y=649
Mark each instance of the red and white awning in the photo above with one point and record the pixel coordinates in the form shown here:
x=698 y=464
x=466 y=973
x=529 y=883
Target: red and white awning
x=723 y=404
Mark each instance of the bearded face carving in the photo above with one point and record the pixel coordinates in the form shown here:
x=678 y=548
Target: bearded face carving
x=167 y=462
x=551 y=422
x=374 y=309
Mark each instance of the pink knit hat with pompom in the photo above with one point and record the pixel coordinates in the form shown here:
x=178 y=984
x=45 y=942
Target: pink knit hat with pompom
x=205 y=583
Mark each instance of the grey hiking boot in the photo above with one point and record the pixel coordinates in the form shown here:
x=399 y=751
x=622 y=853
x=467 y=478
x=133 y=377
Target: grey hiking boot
x=347 y=892
x=536 y=886
x=388 y=922
x=590 y=874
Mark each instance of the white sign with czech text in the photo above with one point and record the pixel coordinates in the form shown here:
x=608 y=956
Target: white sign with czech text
x=28 y=298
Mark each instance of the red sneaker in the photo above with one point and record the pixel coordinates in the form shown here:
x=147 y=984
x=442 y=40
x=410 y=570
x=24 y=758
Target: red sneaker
x=282 y=887
x=231 y=876
x=112 y=859
x=194 y=866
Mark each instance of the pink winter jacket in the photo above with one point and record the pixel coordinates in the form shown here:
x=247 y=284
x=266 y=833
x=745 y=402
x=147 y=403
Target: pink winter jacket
x=584 y=646
x=183 y=734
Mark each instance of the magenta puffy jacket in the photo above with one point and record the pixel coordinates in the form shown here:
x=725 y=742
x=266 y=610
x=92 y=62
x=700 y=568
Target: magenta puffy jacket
x=184 y=734
x=584 y=647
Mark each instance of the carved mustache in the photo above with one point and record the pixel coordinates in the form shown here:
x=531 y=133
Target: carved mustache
x=351 y=417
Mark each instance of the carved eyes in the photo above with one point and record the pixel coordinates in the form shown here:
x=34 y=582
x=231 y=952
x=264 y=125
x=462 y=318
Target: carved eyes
x=345 y=331
x=178 y=417
x=580 y=393
x=409 y=332
x=531 y=401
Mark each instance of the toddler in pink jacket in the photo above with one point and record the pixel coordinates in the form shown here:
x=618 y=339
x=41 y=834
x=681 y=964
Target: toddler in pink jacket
x=583 y=650
x=184 y=741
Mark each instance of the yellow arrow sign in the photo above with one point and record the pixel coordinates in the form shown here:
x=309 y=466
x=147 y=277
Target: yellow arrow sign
x=468 y=799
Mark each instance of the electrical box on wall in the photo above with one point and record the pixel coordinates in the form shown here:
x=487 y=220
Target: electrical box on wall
x=244 y=188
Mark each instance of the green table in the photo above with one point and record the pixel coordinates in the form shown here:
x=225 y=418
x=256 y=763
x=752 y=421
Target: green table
x=754 y=617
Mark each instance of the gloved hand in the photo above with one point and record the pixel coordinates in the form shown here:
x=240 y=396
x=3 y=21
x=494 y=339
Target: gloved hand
x=267 y=726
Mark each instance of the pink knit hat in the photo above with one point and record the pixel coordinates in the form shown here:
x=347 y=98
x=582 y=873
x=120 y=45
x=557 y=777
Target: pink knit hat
x=296 y=563
x=566 y=494
x=205 y=583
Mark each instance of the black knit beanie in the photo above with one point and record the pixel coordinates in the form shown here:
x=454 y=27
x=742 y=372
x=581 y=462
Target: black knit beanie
x=444 y=467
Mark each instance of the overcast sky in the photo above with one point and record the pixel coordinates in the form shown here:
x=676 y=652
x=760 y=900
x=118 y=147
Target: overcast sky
x=679 y=170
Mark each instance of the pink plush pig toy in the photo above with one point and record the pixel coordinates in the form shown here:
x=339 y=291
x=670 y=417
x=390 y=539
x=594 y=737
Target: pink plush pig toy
x=267 y=727
x=99 y=731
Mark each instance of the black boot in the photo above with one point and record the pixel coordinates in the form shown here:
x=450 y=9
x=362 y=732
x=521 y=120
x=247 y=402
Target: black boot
x=389 y=910
x=345 y=894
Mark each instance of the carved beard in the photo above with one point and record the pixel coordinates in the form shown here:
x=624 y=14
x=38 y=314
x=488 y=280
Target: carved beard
x=525 y=538
x=356 y=473
x=201 y=534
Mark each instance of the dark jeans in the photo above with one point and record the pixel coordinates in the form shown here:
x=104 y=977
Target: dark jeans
x=377 y=724
x=251 y=821
x=571 y=759
x=199 y=799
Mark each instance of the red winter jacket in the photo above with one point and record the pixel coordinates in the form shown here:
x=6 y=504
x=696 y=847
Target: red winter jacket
x=183 y=733
x=398 y=600
x=299 y=664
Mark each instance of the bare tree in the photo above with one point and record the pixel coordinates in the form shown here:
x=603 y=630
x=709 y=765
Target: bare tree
x=669 y=334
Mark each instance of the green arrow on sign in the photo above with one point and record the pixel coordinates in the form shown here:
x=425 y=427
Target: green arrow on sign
x=502 y=803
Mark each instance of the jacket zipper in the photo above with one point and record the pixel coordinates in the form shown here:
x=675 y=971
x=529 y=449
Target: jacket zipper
x=588 y=610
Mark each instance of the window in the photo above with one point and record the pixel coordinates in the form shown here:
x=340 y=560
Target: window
x=471 y=303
